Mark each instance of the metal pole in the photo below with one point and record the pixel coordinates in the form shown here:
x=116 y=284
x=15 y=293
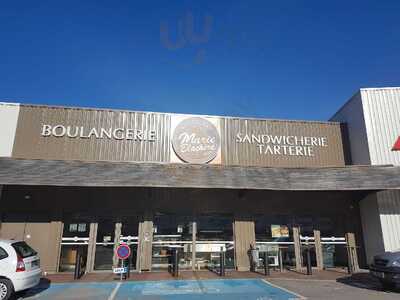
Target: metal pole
x=266 y=263
x=194 y=236
x=129 y=264
x=122 y=265
x=309 y=268
x=349 y=261
x=280 y=260
x=176 y=263
x=222 y=262
x=77 y=270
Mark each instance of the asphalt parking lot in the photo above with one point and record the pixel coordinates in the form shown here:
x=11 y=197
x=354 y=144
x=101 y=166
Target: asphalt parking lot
x=332 y=289
x=221 y=289
x=249 y=289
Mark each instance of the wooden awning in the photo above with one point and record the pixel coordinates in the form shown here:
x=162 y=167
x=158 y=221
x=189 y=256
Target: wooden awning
x=131 y=174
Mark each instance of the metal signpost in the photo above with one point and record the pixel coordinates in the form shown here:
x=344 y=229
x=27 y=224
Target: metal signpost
x=222 y=262
x=123 y=252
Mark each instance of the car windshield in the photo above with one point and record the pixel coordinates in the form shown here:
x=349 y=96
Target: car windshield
x=23 y=249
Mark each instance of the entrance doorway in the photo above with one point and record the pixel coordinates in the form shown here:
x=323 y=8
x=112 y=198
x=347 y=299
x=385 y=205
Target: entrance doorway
x=214 y=234
x=199 y=241
x=75 y=239
x=172 y=232
x=105 y=241
x=129 y=236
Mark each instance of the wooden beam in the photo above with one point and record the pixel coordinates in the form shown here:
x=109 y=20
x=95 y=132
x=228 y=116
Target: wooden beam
x=117 y=239
x=318 y=249
x=108 y=174
x=244 y=238
x=297 y=248
x=145 y=246
x=91 y=247
x=352 y=252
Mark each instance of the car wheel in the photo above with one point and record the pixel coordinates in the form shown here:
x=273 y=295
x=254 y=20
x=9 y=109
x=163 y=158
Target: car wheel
x=6 y=289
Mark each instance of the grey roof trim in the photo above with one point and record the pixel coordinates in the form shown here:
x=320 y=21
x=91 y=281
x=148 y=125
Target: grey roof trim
x=116 y=174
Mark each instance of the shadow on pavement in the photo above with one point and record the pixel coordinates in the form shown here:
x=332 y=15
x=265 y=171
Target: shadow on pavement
x=42 y=286
x=365 y=281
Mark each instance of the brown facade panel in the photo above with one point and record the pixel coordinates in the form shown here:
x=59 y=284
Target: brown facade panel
x=250 y=142
x=43 y=237
x=145 y=246
x=244 y=238
x=33 y=139
x=110 y=135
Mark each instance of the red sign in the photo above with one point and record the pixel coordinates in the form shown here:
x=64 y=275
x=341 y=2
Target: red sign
x=123 y=251
x=396 y=146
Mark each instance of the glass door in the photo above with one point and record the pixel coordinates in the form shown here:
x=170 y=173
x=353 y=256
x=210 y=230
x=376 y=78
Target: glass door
x=172 y=232
x=75 y=239
x=129 y=236
x=214 y=234
x=104 y=245
x=274 y=237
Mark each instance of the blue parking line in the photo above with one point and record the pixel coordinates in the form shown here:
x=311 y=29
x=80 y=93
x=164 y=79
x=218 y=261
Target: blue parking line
x=221 y=289
x=79 y=290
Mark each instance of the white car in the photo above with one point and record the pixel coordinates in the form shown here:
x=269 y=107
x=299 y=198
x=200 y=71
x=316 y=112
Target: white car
x=19 y=267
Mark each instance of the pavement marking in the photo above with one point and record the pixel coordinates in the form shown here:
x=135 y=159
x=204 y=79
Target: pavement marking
x=286 y=290
x=115 y=291
x=299 y=279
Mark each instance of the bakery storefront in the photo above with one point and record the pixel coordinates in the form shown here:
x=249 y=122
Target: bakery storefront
x=76 y=179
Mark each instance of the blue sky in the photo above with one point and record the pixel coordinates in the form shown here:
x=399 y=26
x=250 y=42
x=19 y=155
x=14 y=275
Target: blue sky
x=274 y=59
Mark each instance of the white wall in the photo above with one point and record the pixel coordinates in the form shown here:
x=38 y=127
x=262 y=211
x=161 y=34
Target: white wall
x=389 y=209
x=352 y=114
x=372 y=116
x=371 y=226
x=382 y=118
x=8 y=125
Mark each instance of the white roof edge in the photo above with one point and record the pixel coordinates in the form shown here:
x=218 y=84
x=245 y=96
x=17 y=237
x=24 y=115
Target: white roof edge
x=380 y=88
x=171 y=113
x=9 y=103
x=359 y=91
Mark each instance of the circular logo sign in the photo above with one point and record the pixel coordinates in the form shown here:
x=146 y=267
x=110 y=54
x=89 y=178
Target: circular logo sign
x=123 y=251
x=196 y=140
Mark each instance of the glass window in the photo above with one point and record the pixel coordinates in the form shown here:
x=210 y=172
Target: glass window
x=274 y=234
x=3 y=253
x=172 y=232
x=129 y=235
x=214 y=233
x=273 y=229
x=74 y=228
x=215 y=228
x=23 y=249
x=104 y=245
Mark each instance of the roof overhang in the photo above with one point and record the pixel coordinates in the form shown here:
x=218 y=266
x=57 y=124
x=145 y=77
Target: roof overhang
x=132 y=174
